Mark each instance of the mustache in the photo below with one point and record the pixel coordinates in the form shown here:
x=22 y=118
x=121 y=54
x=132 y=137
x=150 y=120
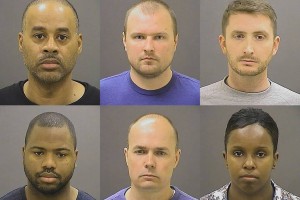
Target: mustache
x=49 y=56
x=48 y=172
x=247 y=57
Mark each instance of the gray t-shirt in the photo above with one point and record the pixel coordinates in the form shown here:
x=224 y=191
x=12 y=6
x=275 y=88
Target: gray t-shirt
x=220 y=93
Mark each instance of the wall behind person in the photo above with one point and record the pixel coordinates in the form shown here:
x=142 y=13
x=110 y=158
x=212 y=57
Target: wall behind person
x=113 y=56
x=213 y=122
x=114 y=129
x=284 y=67
x=12 y=68
x=14 y=121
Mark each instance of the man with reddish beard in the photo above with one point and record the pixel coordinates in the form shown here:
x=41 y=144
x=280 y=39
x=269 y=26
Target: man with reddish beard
x=150 y=40
x=249 y=40
x=151 y=156
x=49 y=159
x=50 y=43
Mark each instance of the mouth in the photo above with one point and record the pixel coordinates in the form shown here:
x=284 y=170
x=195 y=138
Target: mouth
x=149 y=176
x=50 y=63
x=249 y=177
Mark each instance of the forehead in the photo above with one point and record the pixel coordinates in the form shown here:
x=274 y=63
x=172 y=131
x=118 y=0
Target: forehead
x=50 y=137
x=249 y=22
x=152 y=132
x=250 y=136
x=51 y=14
x=156 y=20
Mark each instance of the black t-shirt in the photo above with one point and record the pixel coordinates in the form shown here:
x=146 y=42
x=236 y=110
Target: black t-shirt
x=14 y=95
x=19 y=194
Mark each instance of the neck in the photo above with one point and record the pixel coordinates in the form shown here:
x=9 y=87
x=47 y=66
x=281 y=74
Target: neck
x=67 y=193
x=152 y=83
x=63 y=92
x=265 y=193
x=137 y=194
x=248 y=84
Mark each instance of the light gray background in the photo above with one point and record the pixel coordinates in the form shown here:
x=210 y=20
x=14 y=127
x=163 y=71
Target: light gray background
x=14 y=121
x=12 y=68
x=114 y=128
x=213 y=121
x=284 y=67
x=113 y=57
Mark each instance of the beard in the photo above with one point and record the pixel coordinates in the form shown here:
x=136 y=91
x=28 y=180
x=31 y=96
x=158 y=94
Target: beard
x=48 y=76
x=251 y=71
x=44 y=188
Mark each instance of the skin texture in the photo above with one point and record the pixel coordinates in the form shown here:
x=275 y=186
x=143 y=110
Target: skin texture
x=49 y=161
x=150 y=45
x=249 y=45
x=50 y=46
x=151 y=157
x=250 y=160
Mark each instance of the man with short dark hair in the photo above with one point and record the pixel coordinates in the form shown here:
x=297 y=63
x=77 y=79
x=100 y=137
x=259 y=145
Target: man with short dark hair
x=151 y=156
x=49 y=159
x=249 y=40
x=50 y=43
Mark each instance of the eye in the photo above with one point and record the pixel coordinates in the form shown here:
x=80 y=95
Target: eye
x=238 y=36
x=159 y=37
x=161 y=153
x=261 y=154
x=61 y=155
x=62 y=37
x=39 y=36
x=140 y=151
x=237 y=153
x=38 y=153
x=139 y=37
x=260 y=37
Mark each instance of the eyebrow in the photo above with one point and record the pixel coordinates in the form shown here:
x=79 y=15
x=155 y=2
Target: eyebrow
x=243 y=32
x=41 y=28
x=240 y=147
x=58 y=149
x=157 y=148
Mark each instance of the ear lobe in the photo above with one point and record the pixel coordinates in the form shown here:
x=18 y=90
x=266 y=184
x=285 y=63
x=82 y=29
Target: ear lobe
x=222 y=43
x=225 y=158
x=124 y=41
x=20 y=41
x=276 y=156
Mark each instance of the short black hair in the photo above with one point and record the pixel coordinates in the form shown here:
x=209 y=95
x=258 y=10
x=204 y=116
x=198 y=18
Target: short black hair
x=157 y=115
x=248 y=116
x=51 y=119
x=64 y=2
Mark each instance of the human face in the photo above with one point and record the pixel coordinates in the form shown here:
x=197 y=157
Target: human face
x=151 y=155
x=49 y=42
x=250 y=159
x=150 y=42
x=249 y=44
x=49 y=159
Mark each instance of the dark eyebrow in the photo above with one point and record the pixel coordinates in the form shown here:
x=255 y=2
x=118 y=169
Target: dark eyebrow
x=63 y=29
x=41 y=28
x=58 y=149
x=38 y=28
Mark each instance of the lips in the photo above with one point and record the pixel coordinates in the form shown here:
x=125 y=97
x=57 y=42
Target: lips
x=50 y=61
x=48 y=177
x=149 y=176
x=249 y=177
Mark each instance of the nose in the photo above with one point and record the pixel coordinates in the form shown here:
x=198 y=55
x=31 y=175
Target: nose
x=49 y=162
x=150 y=161
x=50 y=46
x=249 y=163
x=149 y=46
x=249 y=47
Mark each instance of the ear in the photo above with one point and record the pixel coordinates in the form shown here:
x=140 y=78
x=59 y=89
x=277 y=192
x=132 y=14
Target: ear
x=20 y=41
x=225 y=158
x=177 y=157
x=124 y=40
x=79 y=41
x=276 y=156
x=222 y=43
x=23 y=151
x=176 y=42
x=76 y=154
x=126 y=155
x=276 y=45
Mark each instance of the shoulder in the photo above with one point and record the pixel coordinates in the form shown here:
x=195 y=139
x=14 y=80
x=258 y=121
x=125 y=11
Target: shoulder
x=283 y=194
x=180 y=195
x=14 y=95
x=17 y=194
x=285 y=95
x=114 y=79
x=84 y=196
x=220 y=194
x=120 y=195
x=187 y=79
x=91 y=95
